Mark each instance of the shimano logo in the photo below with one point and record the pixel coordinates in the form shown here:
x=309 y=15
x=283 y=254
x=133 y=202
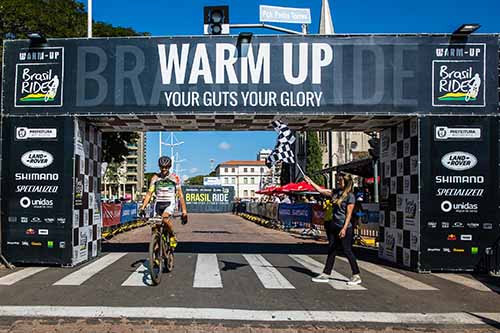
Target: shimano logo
x=37 y=176
x=459 y=179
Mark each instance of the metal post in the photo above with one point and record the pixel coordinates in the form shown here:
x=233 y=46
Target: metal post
x=89 y=19
x=375 y=181
x=330 y=157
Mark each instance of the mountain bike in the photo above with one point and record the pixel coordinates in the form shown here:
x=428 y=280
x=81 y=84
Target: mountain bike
x=161 y=254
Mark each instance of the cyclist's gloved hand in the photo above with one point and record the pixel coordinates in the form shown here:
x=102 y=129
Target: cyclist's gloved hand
x=184 y=219
x=142 y=213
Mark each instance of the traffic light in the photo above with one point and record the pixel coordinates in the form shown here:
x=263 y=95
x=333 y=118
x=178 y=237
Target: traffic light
x=374 y=150
x=216 y=20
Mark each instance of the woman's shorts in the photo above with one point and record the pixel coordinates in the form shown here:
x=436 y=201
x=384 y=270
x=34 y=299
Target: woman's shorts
x=164 y=207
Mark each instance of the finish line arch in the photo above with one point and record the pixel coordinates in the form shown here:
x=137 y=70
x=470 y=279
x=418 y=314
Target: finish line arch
x=433 y=98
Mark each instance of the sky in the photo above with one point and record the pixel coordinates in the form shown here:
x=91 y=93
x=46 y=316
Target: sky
x=185 y=17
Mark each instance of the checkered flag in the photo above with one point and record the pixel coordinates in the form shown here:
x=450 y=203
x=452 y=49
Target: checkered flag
x=285 y=134
x=283 y=150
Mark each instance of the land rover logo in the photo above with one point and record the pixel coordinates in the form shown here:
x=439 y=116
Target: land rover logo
x=459 y=161
x=37 y=159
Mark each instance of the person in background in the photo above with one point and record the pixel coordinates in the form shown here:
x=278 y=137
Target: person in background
x=286 y=199
x=339 y=230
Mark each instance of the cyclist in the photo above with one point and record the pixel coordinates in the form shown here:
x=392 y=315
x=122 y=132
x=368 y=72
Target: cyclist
x=166 y=188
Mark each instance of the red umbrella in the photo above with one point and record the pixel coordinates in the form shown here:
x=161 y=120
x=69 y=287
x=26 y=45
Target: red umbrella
x=297 y=187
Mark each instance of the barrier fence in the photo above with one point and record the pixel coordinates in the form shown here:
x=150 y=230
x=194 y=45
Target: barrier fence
x=303 y=215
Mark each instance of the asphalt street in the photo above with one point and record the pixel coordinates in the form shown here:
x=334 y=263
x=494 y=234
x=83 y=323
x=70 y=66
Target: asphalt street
x=230 y=269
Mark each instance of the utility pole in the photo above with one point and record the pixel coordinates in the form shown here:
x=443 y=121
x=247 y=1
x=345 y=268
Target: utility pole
x=171 y=145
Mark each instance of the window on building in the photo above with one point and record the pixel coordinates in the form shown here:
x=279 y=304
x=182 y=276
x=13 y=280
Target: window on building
x=252 y=180
x=252 y=170
x=323 y=138
x=252 y=193
x=245 y=169
x=233 y=170
x=245 y=193
x=226 y=170
x=261 y=170
x=245 y=180
x=225 y=180
x=233 y=180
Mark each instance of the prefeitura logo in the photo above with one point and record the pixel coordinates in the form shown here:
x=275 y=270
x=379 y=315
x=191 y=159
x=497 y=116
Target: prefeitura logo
x=459 y=76
x=39 y=77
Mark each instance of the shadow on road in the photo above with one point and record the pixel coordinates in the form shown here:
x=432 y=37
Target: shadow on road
x=220 y=248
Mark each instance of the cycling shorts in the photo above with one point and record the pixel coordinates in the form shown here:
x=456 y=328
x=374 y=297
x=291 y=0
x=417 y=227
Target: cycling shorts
x=164 y=207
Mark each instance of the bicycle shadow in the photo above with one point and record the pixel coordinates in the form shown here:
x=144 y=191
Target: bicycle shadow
x=144 y=270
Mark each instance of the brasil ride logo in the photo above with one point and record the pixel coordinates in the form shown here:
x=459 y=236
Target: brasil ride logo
x=38 y=86
x=458 y=85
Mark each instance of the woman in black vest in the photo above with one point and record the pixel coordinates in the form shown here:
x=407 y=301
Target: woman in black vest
x=340 y=229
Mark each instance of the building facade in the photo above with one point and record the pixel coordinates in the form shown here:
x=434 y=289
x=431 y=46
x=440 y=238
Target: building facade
x=247 y=177
x=129 y=179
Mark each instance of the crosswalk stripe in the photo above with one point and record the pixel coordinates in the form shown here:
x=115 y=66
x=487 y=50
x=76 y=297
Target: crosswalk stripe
x=394 y=277
x=139 y=278
x=270 y=277
x=337 y=280
x=85 y=273
x=468 y=282
x=12 y=278
x=207 y=273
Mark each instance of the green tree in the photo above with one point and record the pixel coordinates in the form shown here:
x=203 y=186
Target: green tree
x=313 y=161
x=62 y=19
x=196 y=180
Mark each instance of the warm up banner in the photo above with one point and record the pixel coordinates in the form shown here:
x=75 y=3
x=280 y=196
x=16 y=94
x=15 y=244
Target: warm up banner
x=344 y=75
x=36 y=188
x=211 y=199
x=459 y=191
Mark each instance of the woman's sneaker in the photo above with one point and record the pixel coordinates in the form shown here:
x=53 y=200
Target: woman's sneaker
x=355 y=280
x=321 y=278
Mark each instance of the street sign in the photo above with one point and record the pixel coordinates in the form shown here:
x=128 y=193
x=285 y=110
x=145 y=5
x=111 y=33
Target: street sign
x=285 y=14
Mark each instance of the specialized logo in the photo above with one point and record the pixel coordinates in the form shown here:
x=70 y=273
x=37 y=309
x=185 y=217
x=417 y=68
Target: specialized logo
x=434 y=250
x=13 y=243
x=432 y=225
x=459 y=192
x=39 y=77
x=36 y=244
x=37 y=176
x=43 y=232
x=30 y=232
x=466 y=237
x=12 y=219
x=458 y=250
x=487 y=226
x=25 y=133
x=450 y=133
x=459 y=179
x=472 y=225
x=37 y=159
x=50 y=244
x=37 y=188
x=24 y=219
x=445 y=225
x=459 y=76
x=459 y=161
x=474 y=250
x=451 y=237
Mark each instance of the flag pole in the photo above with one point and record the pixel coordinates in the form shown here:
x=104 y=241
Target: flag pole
x=300 y=169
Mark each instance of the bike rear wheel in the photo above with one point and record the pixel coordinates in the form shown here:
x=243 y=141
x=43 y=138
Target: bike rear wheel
x=155 y=258
x=168 y=264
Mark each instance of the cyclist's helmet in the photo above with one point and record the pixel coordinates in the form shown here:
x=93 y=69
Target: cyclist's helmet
x=164 y=161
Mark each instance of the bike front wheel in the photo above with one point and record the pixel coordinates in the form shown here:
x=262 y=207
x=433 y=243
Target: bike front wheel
x=155 y=258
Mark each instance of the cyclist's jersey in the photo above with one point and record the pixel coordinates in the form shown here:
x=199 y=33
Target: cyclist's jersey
x=164 y=188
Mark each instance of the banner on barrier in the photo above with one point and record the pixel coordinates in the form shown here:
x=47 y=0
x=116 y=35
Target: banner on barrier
x=111 y=214
x=295 y=215
x=211 y=199
x=129 y=212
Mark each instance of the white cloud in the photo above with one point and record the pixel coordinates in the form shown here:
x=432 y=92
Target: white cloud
x=193 y=170
x=224 y=145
